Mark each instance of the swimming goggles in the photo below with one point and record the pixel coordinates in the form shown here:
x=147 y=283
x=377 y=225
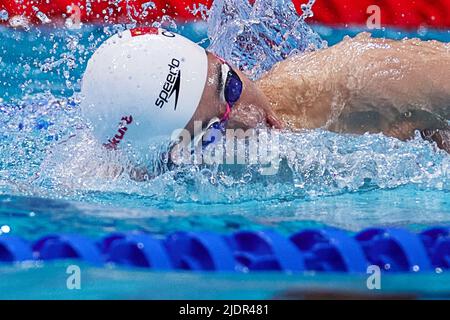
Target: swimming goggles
x=230 y=92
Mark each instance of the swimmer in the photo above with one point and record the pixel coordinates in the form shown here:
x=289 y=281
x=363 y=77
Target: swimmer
x=143 y=85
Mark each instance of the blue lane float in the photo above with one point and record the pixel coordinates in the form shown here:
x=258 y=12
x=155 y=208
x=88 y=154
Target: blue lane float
x=56 y=246
x=331 y=250
x=395 y=249
x=135 y=250
x=265 y=250
x=321 y=250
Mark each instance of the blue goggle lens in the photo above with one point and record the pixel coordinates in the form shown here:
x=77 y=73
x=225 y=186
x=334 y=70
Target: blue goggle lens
x=233 y=87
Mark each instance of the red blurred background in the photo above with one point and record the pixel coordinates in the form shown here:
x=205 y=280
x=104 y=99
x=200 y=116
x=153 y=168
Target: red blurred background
x=397 y=13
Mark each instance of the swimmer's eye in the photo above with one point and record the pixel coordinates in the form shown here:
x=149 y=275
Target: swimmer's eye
x=230 y=90
x=231 y=84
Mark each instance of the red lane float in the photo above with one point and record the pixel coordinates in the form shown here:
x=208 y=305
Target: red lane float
x=101 y=11
x=397 y=13
x=394 y=13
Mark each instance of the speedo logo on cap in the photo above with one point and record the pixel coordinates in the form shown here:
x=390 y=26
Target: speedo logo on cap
x=171 y=85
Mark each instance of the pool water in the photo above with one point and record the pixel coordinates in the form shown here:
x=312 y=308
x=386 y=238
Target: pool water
x=349 y=182
x=49 y=282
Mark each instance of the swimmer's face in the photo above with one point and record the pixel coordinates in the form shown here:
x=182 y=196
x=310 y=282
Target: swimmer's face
x=251 y=109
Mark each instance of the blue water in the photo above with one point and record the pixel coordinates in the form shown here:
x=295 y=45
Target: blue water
x=350 y=182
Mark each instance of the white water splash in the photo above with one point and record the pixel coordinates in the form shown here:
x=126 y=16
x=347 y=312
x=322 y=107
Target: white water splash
x=314 y=164
x=255 y=37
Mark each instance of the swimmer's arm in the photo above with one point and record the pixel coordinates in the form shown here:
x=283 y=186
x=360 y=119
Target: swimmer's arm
x=405 y=75
x=363 y=85
x=398 y=87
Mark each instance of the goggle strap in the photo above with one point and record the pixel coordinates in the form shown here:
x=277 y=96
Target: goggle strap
x=226 y=115
x=198 y=138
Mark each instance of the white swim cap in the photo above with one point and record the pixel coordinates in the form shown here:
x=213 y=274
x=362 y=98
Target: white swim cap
x=141 y=86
